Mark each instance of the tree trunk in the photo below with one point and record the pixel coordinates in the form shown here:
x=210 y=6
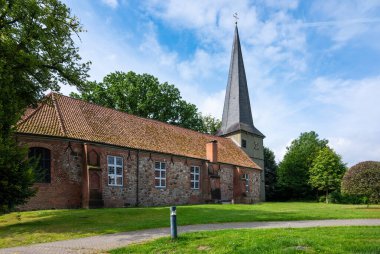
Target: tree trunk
x=327 y=194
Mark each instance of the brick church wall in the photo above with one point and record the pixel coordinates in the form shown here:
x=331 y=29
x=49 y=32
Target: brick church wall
x=240 y=194
x=65 y=189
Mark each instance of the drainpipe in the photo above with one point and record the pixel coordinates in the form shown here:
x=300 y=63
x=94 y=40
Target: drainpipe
x=137 y=177
x=85 y=179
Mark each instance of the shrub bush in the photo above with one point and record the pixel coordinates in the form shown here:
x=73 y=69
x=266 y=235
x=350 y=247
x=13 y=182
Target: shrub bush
x=363 y=180
x=339 y=198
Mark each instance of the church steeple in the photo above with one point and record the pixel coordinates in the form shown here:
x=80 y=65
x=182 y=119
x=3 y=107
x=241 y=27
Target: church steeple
x=237 y=114
x=237 y=123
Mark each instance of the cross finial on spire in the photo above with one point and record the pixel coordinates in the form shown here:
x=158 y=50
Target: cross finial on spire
x=236 y=17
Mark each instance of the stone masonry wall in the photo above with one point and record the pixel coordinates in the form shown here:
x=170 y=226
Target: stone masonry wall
x=65 y=188
x=178 y=189
x=256 y=182
x=226 y=182
x=118 y=196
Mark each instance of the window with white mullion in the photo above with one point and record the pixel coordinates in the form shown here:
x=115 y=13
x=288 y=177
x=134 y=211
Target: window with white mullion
x=194 y=177
x=115 y=170
x=246 y=179
x=246 y=183
x=160 y=174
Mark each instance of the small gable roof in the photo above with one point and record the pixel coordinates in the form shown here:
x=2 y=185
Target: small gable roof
x=66 y=117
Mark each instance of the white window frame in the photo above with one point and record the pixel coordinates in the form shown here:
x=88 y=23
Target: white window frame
x=193 y=177
x=114 y=165
x=160 y=167
x=246 y=179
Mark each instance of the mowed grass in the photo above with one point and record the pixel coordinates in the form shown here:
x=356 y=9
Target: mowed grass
x=51 y=225
x=298 y=240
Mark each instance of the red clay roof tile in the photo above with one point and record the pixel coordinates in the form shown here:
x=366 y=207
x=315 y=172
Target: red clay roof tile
x=76 y=119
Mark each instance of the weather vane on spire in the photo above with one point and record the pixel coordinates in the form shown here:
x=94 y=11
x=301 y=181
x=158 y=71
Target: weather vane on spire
x=236 y=17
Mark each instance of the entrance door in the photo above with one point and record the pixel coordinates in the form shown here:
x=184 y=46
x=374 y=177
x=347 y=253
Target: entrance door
x=96 y=199
x=94 y=181
x=215 y=188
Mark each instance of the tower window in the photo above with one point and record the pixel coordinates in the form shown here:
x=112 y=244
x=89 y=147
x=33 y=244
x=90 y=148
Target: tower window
x=245 y=177
x=244 y=143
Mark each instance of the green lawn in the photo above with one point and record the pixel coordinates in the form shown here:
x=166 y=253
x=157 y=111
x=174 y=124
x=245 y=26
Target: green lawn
x=51 y=225
x=299 y=240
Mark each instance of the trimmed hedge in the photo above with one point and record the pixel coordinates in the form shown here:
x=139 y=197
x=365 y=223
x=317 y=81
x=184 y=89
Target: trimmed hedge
x=363 y=179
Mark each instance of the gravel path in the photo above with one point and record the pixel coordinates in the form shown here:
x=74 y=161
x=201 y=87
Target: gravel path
x=102 y=243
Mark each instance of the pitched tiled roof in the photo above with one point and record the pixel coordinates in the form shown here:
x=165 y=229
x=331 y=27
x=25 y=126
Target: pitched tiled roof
x=76 y=119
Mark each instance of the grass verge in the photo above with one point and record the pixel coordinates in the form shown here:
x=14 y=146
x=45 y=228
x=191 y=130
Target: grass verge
x=52 y=225
x=298 y=240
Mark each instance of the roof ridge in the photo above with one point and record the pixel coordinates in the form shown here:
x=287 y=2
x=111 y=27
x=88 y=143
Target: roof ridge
x=30 y=115
x=144 y=118
x=59 y=114
x=33 y=113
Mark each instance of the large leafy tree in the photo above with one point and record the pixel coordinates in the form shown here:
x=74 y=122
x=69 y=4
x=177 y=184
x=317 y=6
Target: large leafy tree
x=327 y=171
x=363 y=179
x=211 y=125
x=144 y=95
x=37 y=53
x=270 y=167
x=293 y=171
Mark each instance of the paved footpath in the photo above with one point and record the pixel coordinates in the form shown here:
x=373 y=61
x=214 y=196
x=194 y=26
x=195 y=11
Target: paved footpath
x=102 y=243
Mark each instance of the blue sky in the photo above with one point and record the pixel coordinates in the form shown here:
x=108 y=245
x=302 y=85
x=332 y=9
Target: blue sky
x=311 y=65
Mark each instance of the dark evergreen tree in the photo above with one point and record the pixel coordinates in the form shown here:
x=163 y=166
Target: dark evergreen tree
x=36 y=53
x=270 y=167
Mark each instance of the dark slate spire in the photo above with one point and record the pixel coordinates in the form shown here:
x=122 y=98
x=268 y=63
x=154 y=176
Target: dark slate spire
x=237 y=113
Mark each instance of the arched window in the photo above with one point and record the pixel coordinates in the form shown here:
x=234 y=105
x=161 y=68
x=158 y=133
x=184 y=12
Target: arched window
x=42 y=155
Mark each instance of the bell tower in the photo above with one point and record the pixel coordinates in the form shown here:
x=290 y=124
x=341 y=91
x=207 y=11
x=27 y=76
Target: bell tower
x=237 y=122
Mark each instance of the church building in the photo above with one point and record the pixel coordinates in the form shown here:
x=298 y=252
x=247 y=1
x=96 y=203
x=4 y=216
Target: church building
x=92 y=156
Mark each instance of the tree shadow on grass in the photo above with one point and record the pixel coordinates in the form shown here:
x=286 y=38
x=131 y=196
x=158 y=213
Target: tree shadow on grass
x=65 y=224
x=368 y=208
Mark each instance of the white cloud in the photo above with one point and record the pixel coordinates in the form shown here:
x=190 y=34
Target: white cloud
x=276 y=57
x=201 y=65
x=155 y=52
x=349 y=112
x=273 y=49
x=212 y=21
x=282 y=4
x=280 y=36
x=346 y=20
x=111 y=3
x=213 y=104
